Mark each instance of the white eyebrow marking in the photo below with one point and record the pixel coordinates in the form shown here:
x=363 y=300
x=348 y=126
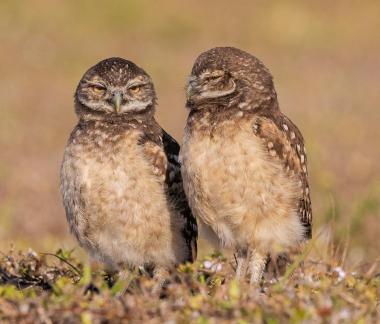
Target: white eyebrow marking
x=285 y=127
x=217 y=73
x=211 y=73
x=95 y=83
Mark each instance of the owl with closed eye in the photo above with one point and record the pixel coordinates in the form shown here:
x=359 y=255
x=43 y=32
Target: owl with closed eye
x=120 y=177
x=243 y=161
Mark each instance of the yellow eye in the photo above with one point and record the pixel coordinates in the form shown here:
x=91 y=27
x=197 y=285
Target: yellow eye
x=98 y=90
x=98 y=87
x=135 y=89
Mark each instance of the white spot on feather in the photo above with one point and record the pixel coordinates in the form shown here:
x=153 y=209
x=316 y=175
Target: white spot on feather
x=243 y=105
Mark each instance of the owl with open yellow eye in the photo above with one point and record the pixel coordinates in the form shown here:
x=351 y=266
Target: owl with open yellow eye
x=120 y=178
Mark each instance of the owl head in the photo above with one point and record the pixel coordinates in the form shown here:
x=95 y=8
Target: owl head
x=230 y=78
x=114 y=87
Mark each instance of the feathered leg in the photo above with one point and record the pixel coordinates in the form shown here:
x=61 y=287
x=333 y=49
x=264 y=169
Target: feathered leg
x=161 y=276
x=242 y=263
x=256 y=266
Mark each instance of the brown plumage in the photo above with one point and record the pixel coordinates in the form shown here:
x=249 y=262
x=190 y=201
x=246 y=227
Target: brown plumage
x=120 y=178
x=244 y=162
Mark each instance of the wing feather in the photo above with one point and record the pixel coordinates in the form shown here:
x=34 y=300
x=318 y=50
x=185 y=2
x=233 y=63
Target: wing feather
x=282 y=136
x=163 y=151
x=177 y=193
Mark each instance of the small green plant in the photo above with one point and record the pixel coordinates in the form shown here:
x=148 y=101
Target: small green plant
x=32 y=284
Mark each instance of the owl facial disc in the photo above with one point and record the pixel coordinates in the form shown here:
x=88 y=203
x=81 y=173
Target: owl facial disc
x=115 y=87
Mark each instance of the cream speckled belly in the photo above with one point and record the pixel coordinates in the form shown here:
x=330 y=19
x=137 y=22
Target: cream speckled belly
x=127 y=218
x=238 y=190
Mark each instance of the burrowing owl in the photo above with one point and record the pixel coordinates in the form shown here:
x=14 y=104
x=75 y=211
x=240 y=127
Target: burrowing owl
x=120 y=179
x=244 y=162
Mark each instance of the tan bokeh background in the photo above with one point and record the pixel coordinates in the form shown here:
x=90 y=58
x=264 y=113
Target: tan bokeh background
x=324 y=56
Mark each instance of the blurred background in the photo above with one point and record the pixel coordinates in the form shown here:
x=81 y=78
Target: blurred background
x=324 y=56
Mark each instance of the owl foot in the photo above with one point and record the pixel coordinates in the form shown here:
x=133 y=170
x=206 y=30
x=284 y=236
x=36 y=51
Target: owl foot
x=125 y=279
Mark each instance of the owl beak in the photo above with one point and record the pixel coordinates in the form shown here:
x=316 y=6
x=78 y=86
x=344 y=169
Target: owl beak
x=191 y=85
x=189 y=91
x=116 y=99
